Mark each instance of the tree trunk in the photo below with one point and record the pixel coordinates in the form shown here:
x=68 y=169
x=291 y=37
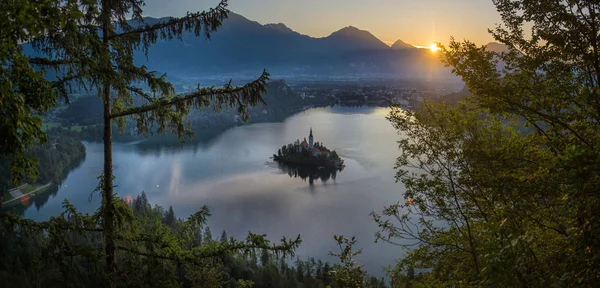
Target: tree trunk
x=107 y=181
x=107 y=193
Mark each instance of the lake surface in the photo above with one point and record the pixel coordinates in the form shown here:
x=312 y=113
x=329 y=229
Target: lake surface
x=233 y=175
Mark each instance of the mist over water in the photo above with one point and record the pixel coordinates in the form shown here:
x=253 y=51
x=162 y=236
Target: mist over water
x=233 y=175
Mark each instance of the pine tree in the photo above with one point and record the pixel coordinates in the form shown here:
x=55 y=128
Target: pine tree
x=319 y=270
x=140 y=205
x=326 y=275
x=91 y=44
x=224 y=238
x=264 y=257
x=208 y=238
x=169 y=218
x=283 y=268
x=97 y=49
x=300 y=271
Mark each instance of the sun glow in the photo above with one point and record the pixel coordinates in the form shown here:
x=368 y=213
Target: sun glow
x=433 y=47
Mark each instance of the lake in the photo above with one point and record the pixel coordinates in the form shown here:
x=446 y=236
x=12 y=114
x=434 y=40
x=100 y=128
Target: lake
x=232 y=174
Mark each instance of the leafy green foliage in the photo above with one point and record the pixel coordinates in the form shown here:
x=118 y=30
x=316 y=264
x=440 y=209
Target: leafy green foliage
x=348 y=273
x=499 y=188
x=61 y=152
x=24 y=92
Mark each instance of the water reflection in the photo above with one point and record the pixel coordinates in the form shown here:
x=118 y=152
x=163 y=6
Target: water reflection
x=40 y=199
x=230 y=171
x=312 y=174
x=158 y=145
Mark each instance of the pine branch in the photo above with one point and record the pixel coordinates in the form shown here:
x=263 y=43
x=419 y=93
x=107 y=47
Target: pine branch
x=252 y=242
x=132 y=251
x=61 y=81
x=155 y=83
x=242 y=95
x=48 y=62
x=211 y=20
x=140 y=92
x=55 y=223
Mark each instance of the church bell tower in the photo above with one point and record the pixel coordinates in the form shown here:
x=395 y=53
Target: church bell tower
x=310 y=139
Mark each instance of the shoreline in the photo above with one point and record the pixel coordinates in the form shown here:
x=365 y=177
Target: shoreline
x=44 y=187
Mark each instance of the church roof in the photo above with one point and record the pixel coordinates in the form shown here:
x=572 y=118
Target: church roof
x=304 y=143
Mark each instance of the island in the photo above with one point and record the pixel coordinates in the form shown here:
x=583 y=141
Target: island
x=308 y=154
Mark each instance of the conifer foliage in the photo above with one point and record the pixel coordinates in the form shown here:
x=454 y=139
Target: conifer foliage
x=98 y=48
x=91 y=44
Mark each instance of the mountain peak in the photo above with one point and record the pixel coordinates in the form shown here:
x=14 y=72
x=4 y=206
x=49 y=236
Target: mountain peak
x=399 y=45
x=353 y=38
x=496 y=47
x=348 y=31
x=279 y=27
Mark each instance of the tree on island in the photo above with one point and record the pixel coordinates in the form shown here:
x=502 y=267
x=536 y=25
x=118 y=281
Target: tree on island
x=308 y=154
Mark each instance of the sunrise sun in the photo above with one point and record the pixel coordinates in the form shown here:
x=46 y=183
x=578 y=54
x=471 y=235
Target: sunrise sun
x=433 y=47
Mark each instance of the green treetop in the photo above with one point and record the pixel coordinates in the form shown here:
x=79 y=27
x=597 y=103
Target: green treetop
x=501 y=189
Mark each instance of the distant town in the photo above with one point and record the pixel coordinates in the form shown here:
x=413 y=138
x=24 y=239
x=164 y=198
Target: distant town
x=284 y=98
x=370 y=92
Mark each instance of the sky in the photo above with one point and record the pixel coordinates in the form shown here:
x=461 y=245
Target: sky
x=417 y=22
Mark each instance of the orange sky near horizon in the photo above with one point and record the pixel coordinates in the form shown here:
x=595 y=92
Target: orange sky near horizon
x=417 y=22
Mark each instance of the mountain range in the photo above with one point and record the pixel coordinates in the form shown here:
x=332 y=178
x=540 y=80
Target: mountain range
x=399 y=45
x=245 y=47
x=242 y=48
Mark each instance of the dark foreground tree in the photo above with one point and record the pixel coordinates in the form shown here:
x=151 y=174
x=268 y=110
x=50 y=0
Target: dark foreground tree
x=91 y=43
x=502 y=190
x=67 y=252
x=99 y=50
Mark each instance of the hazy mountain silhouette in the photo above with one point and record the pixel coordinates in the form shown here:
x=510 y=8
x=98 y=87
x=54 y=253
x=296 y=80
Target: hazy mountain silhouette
x=242 y=47
x=352 y=38
x=400 y=45
x=281 y=28
x=496 y=47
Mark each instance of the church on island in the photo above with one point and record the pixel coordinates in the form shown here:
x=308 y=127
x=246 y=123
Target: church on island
x=309 y=154
x=315 y=148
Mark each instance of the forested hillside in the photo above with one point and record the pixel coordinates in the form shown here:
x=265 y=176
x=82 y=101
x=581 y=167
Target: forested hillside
x=281 y=101
x=62 y=152
x=70 y=257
